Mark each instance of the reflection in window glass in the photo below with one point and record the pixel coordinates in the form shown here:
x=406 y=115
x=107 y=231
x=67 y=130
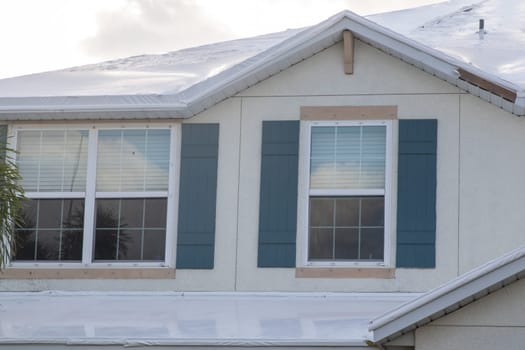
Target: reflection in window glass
x=132 y=229
x=346 y=228
x=133 y=160
x=347 y=157
x=53 y=160
x=51 y=229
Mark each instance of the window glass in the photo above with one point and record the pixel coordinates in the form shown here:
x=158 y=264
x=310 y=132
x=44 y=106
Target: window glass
x=124 y=231
x=347 y=159
x=346 y=228
x=53 y=161
x=122 y=227
x=51 y=229
x=133 y=160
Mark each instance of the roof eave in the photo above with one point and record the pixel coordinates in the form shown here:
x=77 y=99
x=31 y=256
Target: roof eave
x=448 y=298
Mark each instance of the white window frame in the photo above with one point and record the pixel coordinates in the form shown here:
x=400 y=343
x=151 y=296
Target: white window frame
x=91 y=194
x=305 y=192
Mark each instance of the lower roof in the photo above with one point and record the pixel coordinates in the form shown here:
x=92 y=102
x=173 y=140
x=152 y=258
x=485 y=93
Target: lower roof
x=192 y=319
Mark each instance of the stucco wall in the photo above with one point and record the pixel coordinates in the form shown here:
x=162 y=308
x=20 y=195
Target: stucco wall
x=475 y=210
x=496 y=321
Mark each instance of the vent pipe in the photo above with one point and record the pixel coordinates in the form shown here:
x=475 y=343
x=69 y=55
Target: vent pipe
x=481 y=30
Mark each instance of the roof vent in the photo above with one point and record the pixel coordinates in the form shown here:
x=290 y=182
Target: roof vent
x=481 y=30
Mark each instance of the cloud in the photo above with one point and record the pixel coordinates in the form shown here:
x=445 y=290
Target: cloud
x=152 y=26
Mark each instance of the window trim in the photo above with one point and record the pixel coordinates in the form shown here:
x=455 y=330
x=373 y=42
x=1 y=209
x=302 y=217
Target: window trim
x=91 y=194
x=305 y=192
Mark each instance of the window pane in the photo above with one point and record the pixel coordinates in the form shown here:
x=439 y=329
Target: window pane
x=347 y=212
x=372 y=244
x=106 y=241
x=321 y=212
x=25 y=244
x=51 y=230
x=48 y=243
x=129 y=244
x=131 y=229
x=372 y=211
x=71 y=248
x=346 y=244
x=133 y=160
x=348 y=157
x=320 y=244
x=155 y=213
x=53 y=161
x=346 y=228
x=132 y=213
x=154 y=245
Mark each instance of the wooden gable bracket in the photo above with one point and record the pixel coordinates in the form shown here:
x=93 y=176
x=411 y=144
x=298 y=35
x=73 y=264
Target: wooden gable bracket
x=348 y=51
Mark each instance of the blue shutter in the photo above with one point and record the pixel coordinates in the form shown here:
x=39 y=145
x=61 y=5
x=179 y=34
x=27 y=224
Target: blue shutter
x=197 y=196
x=278 y=194
x=416 y=194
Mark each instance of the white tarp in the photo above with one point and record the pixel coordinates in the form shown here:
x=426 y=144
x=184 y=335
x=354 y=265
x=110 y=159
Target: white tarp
x=243 y=319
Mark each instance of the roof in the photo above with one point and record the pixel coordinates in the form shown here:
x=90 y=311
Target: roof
x=207 y=319
x=452 y=27
x=450 y=297
x=183 y=83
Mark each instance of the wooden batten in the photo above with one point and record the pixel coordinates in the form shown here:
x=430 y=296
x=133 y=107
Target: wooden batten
x=487 y=85
x=348 y=112
x=341 y=272
x=87 y=273
x=348 y=43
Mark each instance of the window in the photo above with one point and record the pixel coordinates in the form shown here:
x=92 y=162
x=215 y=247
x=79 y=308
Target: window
x=347 y=192
x=94 y=196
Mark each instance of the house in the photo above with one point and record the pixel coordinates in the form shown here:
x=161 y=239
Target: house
x=311 y=181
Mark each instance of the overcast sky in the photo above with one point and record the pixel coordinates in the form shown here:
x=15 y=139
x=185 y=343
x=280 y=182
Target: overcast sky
x=42 y=35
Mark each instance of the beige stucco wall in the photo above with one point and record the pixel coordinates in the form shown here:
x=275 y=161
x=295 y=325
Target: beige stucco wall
x=492 y=191
x=496 y=321
x=471 y=203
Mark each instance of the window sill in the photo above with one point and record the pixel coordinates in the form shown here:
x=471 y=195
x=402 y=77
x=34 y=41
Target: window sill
x=345 y=272
x=88 y=273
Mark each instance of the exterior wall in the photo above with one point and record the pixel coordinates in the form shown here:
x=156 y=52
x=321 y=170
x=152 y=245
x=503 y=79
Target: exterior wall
x=470 y=132
x=492 y=191
x=320 y=81
x=493 y=322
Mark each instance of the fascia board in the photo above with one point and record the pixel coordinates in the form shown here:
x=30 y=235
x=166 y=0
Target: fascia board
x=449 y=297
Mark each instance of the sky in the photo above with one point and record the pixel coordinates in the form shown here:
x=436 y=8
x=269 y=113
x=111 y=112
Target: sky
x=37 y=36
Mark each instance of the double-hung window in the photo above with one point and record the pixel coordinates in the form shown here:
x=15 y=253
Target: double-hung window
x=348 y=192
x=94 y=195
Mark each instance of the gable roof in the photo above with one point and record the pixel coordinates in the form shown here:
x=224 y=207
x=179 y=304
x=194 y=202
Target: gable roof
x=238 y=72
x=450 y=297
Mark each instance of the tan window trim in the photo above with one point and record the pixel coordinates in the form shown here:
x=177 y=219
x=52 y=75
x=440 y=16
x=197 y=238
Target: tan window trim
x=348 y=112
x=344 y=272
x=88 y=273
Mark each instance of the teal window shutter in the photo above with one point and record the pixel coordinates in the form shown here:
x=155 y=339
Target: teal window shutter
x=278 y=194
x=197 y=196
x=416 y=194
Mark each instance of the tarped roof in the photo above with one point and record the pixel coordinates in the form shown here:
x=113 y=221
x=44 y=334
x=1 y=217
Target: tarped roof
x=214 y=319
x=183 y=83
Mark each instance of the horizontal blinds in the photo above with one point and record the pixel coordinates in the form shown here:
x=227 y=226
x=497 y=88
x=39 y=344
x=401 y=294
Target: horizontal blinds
x=133 y=160
x=53 y=160
x=348 y=157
